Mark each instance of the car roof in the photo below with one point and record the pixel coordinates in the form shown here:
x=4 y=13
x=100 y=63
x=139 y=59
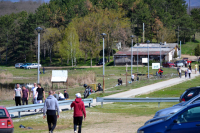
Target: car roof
x=2 y=107
x=198 y=87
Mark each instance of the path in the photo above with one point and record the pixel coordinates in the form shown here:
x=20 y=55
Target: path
x=138 y=91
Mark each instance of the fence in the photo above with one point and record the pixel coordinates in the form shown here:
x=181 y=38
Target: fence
x=158 y=100
x=19 y=109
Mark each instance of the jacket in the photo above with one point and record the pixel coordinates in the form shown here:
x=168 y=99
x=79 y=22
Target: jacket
x=79 y=108
x=51 y=103
x=160 y=71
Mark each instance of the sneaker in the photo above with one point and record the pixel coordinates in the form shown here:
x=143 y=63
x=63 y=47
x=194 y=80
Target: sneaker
x=75 y=132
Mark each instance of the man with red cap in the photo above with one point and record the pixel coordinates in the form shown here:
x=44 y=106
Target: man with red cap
x=79 y=111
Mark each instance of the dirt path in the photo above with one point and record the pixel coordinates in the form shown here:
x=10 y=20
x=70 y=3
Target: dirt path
x=192 y=58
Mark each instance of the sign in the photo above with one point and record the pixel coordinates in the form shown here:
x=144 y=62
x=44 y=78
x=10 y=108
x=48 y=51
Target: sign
x=155 y=65
x=59 y=76
x=144 y=60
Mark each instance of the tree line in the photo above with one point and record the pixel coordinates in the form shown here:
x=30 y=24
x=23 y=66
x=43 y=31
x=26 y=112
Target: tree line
x=72 y=28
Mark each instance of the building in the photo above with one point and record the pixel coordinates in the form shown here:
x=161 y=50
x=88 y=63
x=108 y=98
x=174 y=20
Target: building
x=167 y=53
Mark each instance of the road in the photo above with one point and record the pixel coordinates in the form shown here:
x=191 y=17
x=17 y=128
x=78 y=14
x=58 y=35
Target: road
x=134 y=92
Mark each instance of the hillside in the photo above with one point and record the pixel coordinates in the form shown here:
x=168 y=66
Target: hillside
x=8 y=7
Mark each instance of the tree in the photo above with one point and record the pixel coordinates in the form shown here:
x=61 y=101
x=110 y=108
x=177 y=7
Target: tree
x=197 y=51
x=175 y=54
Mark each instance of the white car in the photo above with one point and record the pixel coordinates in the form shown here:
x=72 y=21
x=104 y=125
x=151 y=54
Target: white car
x=33 y=65
x=17 y=65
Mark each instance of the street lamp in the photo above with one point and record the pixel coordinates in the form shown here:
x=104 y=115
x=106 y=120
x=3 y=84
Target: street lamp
x=132 y=36
x=137 y=56
x=160 y=55
x=148 y=55
x=103 y=34
x=38 y=29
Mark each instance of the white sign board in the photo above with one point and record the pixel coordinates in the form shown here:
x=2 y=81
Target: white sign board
x=155 y=65
x=144 y=60
x=59 y=76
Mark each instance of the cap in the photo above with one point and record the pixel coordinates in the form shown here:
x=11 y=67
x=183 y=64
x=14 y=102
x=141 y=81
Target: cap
x=78 y=95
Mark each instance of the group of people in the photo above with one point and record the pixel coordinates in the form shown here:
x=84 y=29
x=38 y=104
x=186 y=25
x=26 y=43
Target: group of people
x=52 y=111
x=60 y=96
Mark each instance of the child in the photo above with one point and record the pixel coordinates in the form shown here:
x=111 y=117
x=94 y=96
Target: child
x=185 y=73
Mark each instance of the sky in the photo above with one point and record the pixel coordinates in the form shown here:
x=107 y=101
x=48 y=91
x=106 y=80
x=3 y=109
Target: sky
x=192 y=2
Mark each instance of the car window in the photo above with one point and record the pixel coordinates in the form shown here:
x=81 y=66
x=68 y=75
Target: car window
x=190 y=94
x=191 y=115
x=2 y=113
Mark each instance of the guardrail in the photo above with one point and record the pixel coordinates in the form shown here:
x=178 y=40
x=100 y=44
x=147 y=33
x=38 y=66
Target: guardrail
x=158 y=100
x=19 y=109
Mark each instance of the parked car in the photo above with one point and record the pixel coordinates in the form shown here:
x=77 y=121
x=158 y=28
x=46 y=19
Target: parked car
x=189 y=93
x=168 y=64
x=179 y=63
x=17 y=65
x=6 y=123
x=185 y=59
x=25 y=64
x=101 y=61
x=177 y=107
x=186 y=120
x=33 y=65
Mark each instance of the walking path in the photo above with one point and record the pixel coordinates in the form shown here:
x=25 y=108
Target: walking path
x=138 y=91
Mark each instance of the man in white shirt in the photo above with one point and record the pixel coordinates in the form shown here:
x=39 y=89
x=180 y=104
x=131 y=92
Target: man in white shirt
x=33 y=91
x=61 y=96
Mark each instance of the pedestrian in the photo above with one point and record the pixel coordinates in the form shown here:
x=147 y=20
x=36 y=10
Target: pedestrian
x=199 y=69
x=33 y=92
x=66 y=95
x=119 y=81
x=25 y=95
x=190 y=67
x=40 y=93
x=43 y=70
x=50 y=108
x=79 y=111
x=195 y=67
x=61 y=96
x=132 y=77
x=55 y=95
x=189 y=72
x=180 y=72
x=17 y=95
x=185 y=73
x=185 y=63
x=160 y=71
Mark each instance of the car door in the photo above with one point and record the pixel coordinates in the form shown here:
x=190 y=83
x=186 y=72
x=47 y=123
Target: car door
x=187 y=122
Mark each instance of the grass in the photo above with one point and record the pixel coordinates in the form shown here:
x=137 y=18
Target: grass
x=174 y=91
x=189 y=47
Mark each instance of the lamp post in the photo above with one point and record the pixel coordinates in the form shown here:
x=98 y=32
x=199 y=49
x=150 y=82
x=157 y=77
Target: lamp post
x=38 y=29
x=132 y=36
x=103 y=34
x=137 y=56
x=160 y=55
x=148 y=55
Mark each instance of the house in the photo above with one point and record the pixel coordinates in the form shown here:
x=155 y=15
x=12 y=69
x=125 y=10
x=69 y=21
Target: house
x=166 y=50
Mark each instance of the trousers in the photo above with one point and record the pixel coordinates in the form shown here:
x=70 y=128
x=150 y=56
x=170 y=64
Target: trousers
x=51 y=119
x=18 y=101
x=78 y=121
x=24 y=100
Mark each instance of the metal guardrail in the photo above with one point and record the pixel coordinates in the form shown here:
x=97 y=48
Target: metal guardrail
x=19 y=109
x=158 y=100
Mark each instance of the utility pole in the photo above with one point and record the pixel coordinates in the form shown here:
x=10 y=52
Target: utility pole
x=180 y=49
x=178 y=33
x=143 y=32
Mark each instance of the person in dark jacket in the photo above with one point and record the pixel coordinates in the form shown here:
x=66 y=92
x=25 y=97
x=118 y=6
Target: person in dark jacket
x=79 y=111
x=119 y=81
x=66 y=95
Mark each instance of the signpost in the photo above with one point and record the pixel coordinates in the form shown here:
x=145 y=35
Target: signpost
x=155 y=65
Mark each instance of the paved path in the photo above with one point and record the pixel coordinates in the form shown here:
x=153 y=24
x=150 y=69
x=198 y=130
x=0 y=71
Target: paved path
x=138 y=91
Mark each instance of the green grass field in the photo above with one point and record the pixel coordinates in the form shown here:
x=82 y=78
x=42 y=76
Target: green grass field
x=189 y=47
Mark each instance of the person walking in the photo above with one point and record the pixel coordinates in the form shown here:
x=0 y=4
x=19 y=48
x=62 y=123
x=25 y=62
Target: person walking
x=40 y=93
x=17 y=95
x=185 y=73
x=33 y=92
x=79 y=111
x=25 y=95
x=189 y=72
x=195 y=67
x=50 y=108
x=179 y=72
x=190 y=67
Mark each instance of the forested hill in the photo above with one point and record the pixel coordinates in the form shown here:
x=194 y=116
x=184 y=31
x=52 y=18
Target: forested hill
x=72 y=28
x=8 y=7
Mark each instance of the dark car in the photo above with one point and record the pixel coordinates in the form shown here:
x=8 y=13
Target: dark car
x=6 y=123
x=186 y=120
x=101 y=61
x=190 y=93
x=168 y=64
